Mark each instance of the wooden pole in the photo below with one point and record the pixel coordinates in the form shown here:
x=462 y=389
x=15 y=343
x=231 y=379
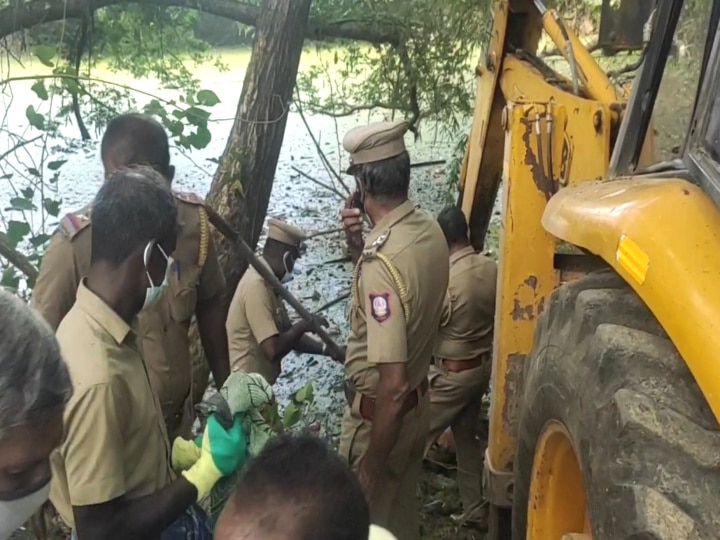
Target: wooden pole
x=249 y=256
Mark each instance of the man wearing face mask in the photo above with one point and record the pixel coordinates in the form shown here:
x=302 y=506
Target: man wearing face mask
x=34 y=388
x=111 y=475
x=399 y=285
x=259 y=330
x=195 y=289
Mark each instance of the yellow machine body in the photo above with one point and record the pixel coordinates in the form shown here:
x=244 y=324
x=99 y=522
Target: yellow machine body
x=661 y=236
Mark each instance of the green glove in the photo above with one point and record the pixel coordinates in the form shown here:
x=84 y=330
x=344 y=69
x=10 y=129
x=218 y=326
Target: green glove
x=221 y=454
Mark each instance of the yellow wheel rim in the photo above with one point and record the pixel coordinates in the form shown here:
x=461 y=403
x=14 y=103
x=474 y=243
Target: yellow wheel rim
x=557 y=506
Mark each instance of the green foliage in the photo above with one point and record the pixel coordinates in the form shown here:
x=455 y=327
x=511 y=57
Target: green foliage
x=145 y=41
x=299 y=406
x=454 y=166
x=427 y=73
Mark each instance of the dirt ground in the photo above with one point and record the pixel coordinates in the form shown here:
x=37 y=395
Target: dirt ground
x=440 y=499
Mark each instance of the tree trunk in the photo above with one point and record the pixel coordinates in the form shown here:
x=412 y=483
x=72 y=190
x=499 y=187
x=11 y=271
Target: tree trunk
x=241 y=189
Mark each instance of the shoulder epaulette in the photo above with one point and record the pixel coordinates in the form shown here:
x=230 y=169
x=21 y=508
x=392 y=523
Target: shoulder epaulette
x=372 y=249
x=74 y=222
x=192 y=198
x=188 y=197
x=371 y=253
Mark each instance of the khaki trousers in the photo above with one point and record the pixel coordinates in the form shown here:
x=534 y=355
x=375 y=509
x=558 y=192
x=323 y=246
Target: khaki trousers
x=398 y=507
x=455 y=400
x=180 y=424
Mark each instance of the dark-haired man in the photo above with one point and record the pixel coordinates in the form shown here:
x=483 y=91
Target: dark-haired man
x=462 y=364
x=398 y=284
x=297 y=489
x=259 y=330
x=111 y=475
x=196 y=288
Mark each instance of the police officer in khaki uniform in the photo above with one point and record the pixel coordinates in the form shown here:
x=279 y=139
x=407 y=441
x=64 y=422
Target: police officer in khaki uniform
x=398 y=289
x=460 y=373
x=195 y=289
x=111 y=475
x=260 y=333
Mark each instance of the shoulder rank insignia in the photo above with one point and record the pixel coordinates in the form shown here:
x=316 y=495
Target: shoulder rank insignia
x=380 y=306
x=74 y=222
x=380 y=240
x=188 y=197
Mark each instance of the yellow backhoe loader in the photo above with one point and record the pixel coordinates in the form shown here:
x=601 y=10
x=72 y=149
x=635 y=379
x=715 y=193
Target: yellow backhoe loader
x=605 y=395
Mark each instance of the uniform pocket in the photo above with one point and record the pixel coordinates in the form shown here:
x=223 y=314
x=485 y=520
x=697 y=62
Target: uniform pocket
x=183 y=296
x=349 y=449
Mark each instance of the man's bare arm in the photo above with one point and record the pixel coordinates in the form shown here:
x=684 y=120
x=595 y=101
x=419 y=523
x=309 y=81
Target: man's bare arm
x=211 y=315
x=276 y=347
x=310 y=345
x=143 y=518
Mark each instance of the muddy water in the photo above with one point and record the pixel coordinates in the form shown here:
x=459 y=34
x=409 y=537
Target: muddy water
x=294 y=198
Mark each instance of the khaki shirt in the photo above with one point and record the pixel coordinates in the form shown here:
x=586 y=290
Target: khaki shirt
x=115 y=441
x=256 y=314
x=466 y=327
x=414 y=244
x=163 y=328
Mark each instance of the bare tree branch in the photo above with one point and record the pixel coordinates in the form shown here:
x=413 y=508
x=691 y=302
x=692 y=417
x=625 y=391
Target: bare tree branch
x=340 y=110
x=319 y=183
x=549 y=53
x=24 y=15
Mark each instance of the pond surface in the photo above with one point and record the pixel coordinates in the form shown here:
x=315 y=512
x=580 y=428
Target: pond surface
x=294 y=198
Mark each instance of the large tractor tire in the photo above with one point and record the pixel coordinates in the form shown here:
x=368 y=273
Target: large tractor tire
x=615 y=439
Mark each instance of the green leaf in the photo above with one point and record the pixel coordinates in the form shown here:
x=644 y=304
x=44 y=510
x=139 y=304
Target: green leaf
x=39 y=239
x=271 y=416
x=207 y=98
x=52 y=207
x=71 y=85
x=27 y=192
x=20 y=203
x=45 y=54
x=34 y=172
x=40 y=90
x=55 y=165
x=291 y=416
x=175 y=127
x=305 y=394
x=36 y=119
x=197 y=116
x=16 y=231
x=154 y=108
x=10 y=278
x=201 y=138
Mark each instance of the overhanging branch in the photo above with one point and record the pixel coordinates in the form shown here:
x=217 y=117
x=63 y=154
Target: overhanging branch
x=25 y=15
x=17 y=259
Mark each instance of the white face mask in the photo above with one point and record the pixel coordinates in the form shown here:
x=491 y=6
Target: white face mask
x=16 y=512
x=153 y=292
x=288 y=276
